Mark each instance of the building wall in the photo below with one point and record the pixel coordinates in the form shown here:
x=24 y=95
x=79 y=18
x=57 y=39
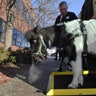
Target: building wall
x=3 y=9
x=20 y=23
x=24 y=18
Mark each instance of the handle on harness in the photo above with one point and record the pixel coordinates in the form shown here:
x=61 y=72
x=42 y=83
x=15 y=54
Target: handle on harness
x=85 y=47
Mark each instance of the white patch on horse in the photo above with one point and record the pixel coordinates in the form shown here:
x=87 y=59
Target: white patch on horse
x=74 y=28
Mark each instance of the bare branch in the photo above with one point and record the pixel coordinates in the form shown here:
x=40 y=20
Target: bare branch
x=45 y=10
x=1 y=3
x=10 y=3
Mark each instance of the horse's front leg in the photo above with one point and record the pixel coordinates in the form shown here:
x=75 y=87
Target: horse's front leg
x=77 y=72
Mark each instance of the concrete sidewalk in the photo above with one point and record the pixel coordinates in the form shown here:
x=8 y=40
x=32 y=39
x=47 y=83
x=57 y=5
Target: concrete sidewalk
x=18 y=87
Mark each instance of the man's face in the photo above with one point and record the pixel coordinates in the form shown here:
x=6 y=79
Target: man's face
x=63 y=9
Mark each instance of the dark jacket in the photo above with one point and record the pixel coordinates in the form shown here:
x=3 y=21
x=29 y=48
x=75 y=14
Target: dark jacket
x=87 y=10
x=68 y=17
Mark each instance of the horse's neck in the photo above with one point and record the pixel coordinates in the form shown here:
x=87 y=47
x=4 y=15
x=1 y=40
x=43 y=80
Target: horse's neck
x=73 y=27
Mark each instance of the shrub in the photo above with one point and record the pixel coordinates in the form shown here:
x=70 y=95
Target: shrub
x=5 y=57
x=14 y=57
x=22 y=56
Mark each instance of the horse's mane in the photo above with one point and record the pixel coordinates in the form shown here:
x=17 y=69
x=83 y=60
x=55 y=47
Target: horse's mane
x=46 y=32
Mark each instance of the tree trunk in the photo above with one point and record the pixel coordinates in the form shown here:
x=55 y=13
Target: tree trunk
x=8 y=37
x=9 y=24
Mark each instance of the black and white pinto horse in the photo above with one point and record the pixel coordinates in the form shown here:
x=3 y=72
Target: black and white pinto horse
x=72 y=44
x=40 y=40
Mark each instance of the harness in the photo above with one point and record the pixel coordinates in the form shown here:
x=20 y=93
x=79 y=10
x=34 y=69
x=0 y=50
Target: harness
x=84 y=32
x=85 y=46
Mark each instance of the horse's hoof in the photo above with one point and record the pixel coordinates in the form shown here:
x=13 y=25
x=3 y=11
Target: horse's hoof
x=72 y=86
x=59 y=70
x=81 y=83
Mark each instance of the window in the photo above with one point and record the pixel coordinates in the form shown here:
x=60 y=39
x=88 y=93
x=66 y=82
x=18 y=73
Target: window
x=25 y=43
x=19 y=40
x=16 y=38
x=2 y=30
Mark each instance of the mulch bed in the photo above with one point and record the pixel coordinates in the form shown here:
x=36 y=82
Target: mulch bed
x=7 y=73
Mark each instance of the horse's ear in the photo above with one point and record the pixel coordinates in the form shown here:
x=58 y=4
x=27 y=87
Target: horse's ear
x=36 y=29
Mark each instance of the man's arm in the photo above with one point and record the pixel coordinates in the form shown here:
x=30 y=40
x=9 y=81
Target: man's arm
x=56 y=22
x=94 y=9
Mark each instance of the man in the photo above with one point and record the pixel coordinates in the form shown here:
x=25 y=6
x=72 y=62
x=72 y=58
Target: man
x=64 y=16
x=88 y=10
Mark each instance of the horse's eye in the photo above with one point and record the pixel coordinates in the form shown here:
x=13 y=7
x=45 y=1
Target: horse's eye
x=34 y=41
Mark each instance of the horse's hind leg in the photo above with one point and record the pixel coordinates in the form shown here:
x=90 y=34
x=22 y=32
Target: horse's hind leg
x=80 y=79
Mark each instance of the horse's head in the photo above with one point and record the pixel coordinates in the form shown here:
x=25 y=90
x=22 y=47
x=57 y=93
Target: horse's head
x=33 y=37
